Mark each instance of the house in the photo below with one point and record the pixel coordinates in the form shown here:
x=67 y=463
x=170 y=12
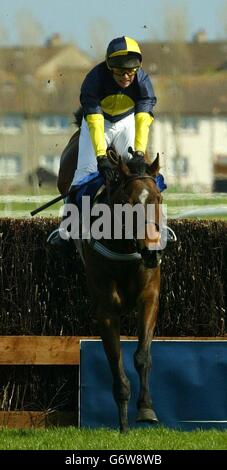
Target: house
x=39 y=90
x=190 y=129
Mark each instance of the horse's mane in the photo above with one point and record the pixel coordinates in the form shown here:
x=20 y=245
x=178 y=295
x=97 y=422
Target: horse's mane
x=137 y=167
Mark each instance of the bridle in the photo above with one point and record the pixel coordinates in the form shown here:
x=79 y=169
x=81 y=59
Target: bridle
x=140 y=177
x=138 y=254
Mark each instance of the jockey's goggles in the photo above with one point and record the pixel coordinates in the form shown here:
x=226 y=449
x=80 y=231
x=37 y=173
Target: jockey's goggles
x=123 y=71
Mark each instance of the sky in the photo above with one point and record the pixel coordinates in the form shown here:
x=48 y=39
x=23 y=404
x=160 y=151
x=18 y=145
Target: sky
x=91 y=24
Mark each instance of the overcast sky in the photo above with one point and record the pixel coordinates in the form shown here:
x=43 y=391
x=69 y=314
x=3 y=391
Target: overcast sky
x=92 y=24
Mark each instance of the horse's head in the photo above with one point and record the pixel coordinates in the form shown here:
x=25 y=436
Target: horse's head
x=138 y=189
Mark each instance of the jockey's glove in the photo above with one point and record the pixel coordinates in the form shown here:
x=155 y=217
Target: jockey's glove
x=105 y=168
x=135 y=153
x=138 y=154
x=137 y=163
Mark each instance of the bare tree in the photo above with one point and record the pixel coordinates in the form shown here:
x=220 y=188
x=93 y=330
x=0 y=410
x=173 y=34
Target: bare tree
x=223 y=20
x=29 y=30
x=175 y=19
x=4 y=36
x=101 y=34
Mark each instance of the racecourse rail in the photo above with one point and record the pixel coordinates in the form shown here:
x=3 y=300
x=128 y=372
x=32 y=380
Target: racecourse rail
x=187 y=205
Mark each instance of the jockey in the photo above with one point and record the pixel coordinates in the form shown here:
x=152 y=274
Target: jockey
x=117 y=99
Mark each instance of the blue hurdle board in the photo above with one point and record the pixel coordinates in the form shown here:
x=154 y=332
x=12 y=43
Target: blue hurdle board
x=188 y=382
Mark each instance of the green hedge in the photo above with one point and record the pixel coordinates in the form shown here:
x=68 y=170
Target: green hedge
x=42 y=294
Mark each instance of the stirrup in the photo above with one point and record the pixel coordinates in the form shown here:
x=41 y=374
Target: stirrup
x=168 y=235
x=171 y=236
x=55 y=237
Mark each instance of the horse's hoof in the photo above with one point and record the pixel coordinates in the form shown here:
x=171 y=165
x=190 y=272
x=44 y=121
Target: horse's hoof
x=146 y=414
x=124 y=430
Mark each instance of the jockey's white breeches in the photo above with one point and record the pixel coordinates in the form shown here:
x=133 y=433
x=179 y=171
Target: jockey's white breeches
x=120 y=135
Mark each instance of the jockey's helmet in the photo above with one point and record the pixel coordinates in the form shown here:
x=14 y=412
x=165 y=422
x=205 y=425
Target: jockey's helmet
x=123 y=52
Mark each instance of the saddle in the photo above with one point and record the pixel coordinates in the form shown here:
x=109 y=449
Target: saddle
x=89 y=188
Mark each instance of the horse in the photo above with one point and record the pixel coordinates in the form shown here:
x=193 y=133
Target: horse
x=123 y=274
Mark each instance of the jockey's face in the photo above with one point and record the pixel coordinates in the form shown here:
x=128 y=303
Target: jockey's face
x=124 y=77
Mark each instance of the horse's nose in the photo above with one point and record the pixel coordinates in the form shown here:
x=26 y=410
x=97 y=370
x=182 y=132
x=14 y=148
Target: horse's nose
x=152 y=234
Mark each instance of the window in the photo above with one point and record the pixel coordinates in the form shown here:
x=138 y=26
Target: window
x=180 y=166
x=11 y=123
x=189 y=123
x=50 y=163
x=51 y=124
x=8 y=86
x=10 y=166
x=221 y=159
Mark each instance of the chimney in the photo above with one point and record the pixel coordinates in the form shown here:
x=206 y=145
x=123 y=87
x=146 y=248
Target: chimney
x=200 y=36
x=54 y=40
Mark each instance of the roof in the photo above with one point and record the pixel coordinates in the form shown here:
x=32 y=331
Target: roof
x=169 y=58
x=194 y=95
x=41 y=79
x=42 y=60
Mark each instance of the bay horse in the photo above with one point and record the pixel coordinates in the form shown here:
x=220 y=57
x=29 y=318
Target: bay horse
x=123 y=274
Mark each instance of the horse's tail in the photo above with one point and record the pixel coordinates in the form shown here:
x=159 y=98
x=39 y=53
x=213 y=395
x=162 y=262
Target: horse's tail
x=78 y=115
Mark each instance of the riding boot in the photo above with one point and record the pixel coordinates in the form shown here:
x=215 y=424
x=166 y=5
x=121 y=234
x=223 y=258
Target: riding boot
x=60 y=240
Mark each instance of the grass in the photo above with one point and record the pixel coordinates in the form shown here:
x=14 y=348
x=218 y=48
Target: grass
x=179 y=201
x=28 y=190
x=21 y=209
x=104 y=439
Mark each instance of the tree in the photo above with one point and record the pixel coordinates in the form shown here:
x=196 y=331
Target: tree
x=29 y=30
x=223 y=20
x=176 y=28
x=101 y=34
x=4 y=36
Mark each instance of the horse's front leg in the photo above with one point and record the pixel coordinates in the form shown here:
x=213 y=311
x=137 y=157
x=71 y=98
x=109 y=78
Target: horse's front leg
x=110 y=334
x=148 y=311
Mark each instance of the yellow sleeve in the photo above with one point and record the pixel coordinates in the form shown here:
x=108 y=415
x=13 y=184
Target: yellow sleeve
x=95 y=123
x=142 y=125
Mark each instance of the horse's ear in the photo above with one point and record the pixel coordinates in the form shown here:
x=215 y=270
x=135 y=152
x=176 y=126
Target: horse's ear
x=123 y=168
x=146 y=158
x=154 y=167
